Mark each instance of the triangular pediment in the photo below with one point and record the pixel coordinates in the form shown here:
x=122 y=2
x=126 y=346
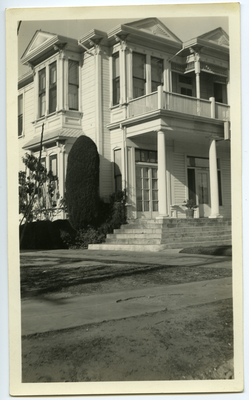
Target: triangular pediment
x=39 y=40
x=154 y=27
x=217 y=36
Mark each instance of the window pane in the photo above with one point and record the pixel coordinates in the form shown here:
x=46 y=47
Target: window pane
x=138 y=88
x=146 y=183
x=116 y=72
x=153 y=156
x=144 y=155
x=73 y=72
x=73 y=97
x=157 y=70
x=146 y=195
x=52 y=99
x=42 y=80
x=137 y=155
x=154 y=195
x=138 y=172
x=154 y=184
x=20 y=104
x=139 y=206
x=146 y=206
x=139 y=65
x=154 y=173
x=20 y=124
x=42 y=100
x=53 y=164
x=155 y=205
x=145 y=172
x=52 y=73
x=116 y=91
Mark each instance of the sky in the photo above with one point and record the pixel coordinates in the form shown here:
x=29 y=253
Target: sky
x=183 y=28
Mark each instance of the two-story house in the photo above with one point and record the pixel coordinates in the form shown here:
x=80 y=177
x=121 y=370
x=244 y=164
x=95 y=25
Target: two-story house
x=156 y=107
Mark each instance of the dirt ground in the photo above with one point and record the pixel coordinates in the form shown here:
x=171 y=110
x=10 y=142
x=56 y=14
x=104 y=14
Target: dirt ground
x=191 y=343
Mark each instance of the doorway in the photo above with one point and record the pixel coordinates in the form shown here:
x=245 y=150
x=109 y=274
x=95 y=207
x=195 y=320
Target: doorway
x=146 y=191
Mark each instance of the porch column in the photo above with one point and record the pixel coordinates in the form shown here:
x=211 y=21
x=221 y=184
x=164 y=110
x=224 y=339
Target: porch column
x=161 y=151
x=197 y=75
x=213 y=180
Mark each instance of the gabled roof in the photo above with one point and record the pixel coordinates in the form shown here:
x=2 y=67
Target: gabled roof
x=44 y=43
x=217 y=36
x=150 y=30
x=155 y=27
x=216 y=39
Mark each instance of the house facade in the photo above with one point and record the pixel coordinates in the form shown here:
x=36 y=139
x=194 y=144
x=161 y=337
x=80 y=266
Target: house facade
x=156 y=107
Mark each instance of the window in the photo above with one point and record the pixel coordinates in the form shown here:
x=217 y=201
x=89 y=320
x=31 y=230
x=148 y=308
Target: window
x=52 y=87
x=20 y=115
x=73 y=85
x=185 y=84
x=115 y=79
x=201 y=164
x=117 y=170
x=42 y=92
x=139 y=80
x=220 y=92
x=156 y=73
x=148 y=156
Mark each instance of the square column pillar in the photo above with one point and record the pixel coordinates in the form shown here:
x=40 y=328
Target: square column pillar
x=162 y=198
x=213 y=180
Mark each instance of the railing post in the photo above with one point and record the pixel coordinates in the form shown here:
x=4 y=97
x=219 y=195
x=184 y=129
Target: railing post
x=160 y=97
x=212 y=99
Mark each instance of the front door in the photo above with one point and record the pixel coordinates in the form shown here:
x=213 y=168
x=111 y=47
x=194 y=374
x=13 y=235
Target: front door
x=203 y=193
x=146 y=191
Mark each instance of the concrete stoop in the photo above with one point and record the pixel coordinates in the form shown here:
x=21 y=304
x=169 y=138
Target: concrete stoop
x=170 y=233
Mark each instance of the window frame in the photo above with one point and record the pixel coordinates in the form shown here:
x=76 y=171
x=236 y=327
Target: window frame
x=41 y=93
x=115 y=80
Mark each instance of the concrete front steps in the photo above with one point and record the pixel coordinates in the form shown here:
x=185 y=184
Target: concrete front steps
x=170 y=233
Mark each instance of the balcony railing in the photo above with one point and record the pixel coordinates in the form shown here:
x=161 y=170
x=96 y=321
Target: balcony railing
x=161 y=100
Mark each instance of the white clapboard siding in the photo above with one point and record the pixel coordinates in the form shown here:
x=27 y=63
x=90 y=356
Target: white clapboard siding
x=28 y=118
x=88 y=96
x=179 y=181
x=226 y=188
x=106 y=186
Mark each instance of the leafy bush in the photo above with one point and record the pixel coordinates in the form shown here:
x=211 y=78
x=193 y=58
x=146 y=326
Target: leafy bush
x=111 y=216
x=82 y=183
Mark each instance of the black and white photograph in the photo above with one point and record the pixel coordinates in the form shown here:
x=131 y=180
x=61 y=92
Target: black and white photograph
x=125 y=135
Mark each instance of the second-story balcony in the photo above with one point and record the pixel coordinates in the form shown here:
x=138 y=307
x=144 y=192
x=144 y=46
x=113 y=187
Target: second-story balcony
x=175 y=102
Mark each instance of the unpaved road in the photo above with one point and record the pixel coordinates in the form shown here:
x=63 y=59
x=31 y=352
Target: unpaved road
x=192 y=342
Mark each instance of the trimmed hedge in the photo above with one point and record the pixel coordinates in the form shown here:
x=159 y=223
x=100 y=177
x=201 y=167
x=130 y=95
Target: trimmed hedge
x=82 y=183
x=45 y=235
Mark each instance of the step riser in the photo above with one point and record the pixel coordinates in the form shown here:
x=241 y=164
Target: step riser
x=171 y=240
x=151 y=247
x=164 y=235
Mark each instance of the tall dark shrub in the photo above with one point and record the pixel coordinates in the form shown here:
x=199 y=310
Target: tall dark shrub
x=82 y=183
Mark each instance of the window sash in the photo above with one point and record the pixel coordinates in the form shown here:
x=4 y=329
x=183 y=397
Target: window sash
x=156 y=73
x=73 y=85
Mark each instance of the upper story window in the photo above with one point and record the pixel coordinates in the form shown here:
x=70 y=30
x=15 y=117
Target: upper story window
x=156 y=73
x=20 y=115
x=42 y=92
x=185 y=85
x=115 y=79
x=52 y=87
x=220 y=92
x=139 y=75
x=73 y=85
